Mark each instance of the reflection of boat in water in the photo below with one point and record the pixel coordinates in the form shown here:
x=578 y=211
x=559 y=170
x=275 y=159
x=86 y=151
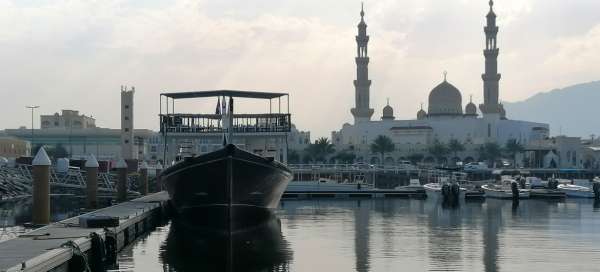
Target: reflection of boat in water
x=228 y=186
x=576 y=191
x=262 y=248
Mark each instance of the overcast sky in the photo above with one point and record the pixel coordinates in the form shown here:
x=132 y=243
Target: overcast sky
x=77 y=54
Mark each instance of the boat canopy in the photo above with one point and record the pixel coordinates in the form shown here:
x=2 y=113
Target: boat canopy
x=228 y=93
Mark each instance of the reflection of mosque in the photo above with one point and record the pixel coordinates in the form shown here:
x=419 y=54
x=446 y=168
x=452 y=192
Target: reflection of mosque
x=362 y=215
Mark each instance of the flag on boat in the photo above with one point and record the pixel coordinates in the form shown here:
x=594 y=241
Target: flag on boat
x=218 y=110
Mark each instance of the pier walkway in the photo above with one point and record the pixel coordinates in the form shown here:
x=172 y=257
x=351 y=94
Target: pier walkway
x=52 y=246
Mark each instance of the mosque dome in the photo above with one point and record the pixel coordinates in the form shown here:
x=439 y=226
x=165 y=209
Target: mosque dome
x=388 y=112
x=445 y=99
x=471 y=109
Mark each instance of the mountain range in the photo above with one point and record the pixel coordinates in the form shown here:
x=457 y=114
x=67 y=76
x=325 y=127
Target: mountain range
x=571 y=111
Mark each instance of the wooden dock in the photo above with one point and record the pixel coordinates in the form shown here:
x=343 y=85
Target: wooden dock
x=53 y=246
x=420 y=194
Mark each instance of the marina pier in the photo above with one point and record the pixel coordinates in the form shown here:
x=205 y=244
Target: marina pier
x=62 y=246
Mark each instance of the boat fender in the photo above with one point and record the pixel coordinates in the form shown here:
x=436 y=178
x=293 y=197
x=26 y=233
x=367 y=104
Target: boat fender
x=522 y=183
x=78 y=261
x=98 y=256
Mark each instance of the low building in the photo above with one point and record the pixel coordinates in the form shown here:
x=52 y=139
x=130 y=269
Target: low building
x=12 y=147
x=67 y=119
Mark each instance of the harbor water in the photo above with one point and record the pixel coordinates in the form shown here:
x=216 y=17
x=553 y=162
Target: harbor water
x=379 y=235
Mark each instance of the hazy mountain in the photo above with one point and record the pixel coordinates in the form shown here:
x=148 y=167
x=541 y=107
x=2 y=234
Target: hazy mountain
x=574 y=110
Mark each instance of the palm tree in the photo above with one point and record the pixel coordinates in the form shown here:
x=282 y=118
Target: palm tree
x=490 y=152
x=455 y=146
x=345 y=156
x=321 y=149
x=381 y=145
x=293 y=156
x=438 y=150
x=512 y=148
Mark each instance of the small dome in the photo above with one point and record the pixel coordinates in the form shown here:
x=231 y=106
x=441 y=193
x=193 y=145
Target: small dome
x=471 y=109
x=388 y=112
x=445 y=99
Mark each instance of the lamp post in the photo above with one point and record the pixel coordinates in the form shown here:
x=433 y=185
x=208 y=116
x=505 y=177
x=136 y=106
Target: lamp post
x=32 y=109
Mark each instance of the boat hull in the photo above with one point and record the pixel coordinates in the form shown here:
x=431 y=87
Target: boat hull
x=434 y=191
x=576 y=191
x=503 y=193
x=229 y=189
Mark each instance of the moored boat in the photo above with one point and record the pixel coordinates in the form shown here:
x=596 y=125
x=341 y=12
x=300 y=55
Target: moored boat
x=230 y=189
x=435 y=190
x=502 y=192
x=576 y=191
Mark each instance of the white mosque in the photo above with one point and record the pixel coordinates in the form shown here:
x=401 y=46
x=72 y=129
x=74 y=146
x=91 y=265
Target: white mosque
x=444 y=119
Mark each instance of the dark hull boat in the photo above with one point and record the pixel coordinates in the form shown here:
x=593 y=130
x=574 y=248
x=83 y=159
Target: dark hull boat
x=226 y=190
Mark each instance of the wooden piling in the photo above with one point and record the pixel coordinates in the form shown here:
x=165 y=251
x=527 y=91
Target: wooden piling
x=122 y=181
x=41 y=188
x=143 y=179
x=91 y=168
x=158 y=170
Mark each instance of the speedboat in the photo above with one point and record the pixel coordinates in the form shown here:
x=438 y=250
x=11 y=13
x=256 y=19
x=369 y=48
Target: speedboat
x=576 y=191
x=413 y=185
x=502 y=192
x=435 y=190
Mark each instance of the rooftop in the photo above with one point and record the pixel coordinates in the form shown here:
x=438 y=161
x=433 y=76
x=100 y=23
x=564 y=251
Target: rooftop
x=217 y=93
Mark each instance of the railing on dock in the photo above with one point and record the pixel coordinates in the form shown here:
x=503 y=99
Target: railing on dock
x=212 y=123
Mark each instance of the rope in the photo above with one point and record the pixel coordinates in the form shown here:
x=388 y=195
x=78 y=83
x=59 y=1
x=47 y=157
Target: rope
x=79 y=260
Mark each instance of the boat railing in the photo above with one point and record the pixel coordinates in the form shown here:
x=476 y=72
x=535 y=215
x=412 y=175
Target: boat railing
x=212 y=123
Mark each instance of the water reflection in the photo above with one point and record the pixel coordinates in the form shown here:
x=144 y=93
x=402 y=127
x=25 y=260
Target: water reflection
x=262 y=248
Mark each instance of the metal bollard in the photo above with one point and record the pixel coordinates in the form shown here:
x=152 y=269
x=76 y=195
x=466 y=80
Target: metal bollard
x=158 y=179
x=41 y=188
x=91 y=169
x=144 y=179
x=122 y=181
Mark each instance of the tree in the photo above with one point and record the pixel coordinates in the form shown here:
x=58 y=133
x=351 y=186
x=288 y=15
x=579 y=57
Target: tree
x=381 y=145
x=60 y=152
x=293 y=156
x=438 y=150
x=345 y=156
x=416 y=158
x=512 y=148
x=455 y=146
x=490 y=152
x=320 y=150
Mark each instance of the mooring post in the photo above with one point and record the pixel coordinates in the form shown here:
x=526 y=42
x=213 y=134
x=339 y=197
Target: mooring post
x=91 y=169
x=144 y=178
x=122 y=180
x=41 y=188
x=158 y=170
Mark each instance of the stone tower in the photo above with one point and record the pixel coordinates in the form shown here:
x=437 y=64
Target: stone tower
x=491 y=77
x=361 y=111
x=127 y=139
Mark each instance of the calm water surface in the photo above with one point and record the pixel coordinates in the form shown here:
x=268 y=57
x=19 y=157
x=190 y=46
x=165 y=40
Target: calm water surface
x=389 y=235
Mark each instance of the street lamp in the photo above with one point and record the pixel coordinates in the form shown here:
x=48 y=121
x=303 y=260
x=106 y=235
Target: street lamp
x=32 y=109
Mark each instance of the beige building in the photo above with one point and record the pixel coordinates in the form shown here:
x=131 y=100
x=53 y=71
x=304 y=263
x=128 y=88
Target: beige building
x=67 y=119
x=12 y=147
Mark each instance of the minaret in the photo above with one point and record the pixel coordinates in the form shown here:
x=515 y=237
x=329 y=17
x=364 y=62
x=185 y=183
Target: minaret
x=361 y=111
x=127 y=128
x=491 y=77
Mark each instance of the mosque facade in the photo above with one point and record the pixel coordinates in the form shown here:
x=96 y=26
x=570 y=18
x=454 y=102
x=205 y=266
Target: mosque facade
x=445 y=118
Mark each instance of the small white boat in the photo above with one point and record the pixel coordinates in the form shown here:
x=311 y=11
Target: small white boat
x=434 y=191
x=413 y=185
x=502 y=192
x=576 y=191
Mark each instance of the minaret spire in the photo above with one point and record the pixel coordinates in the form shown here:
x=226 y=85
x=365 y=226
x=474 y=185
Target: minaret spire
x=362 y=84
x=491 y=77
